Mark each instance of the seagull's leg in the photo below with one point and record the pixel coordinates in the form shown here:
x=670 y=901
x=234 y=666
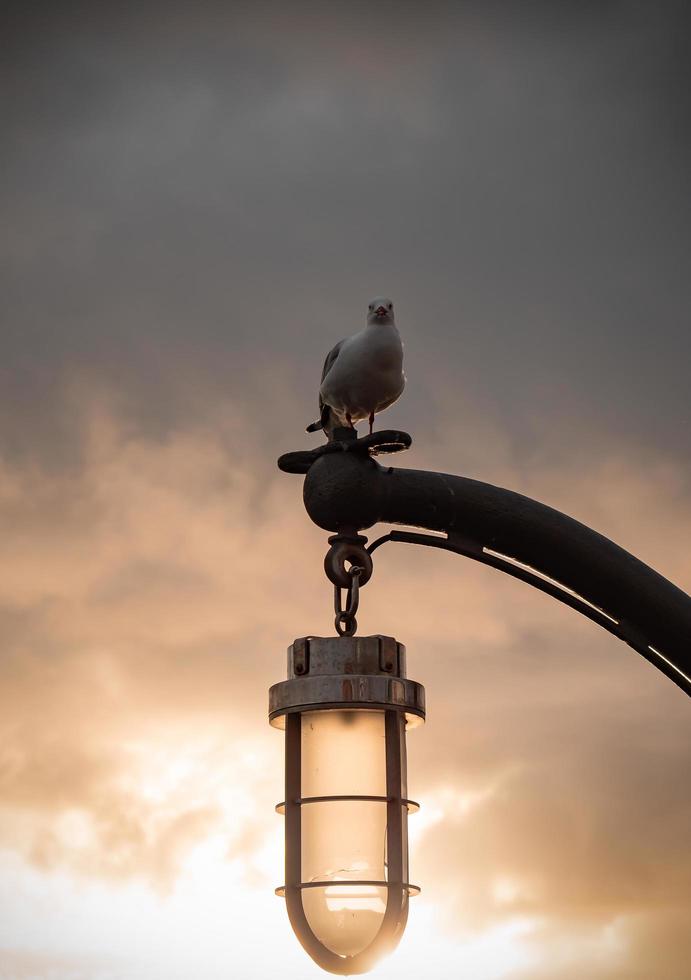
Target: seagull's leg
x=371 y=422
x=349 y=420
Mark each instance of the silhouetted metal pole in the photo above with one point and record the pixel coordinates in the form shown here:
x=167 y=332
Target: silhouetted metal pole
x=346 y=491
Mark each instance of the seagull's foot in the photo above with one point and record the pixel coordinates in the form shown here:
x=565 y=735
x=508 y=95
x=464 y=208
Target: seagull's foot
x=371 y=422
x=345 y=440
x=349 y=421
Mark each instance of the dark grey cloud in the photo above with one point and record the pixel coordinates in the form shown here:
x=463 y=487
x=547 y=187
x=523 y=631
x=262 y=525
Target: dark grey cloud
x=189 y=195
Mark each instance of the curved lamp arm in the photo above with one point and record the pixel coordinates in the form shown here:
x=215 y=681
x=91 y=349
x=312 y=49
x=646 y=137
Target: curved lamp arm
x=345 y=491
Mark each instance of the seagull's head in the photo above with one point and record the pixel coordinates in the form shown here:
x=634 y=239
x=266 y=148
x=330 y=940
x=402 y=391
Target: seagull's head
x=380 y=311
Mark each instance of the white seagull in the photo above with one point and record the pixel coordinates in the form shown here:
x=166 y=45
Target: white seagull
x=362 y=374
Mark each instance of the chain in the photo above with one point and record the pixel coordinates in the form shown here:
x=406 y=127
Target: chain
x=346 y=623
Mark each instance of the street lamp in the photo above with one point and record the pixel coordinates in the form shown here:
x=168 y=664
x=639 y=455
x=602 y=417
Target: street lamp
x=345 y=708
x=347 y=703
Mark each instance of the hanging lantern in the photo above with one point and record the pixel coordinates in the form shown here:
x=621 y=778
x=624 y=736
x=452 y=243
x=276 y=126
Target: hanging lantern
x=345 y=709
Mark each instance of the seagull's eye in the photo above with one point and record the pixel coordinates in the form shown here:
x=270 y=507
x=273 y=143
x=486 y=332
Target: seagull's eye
x=390 y=306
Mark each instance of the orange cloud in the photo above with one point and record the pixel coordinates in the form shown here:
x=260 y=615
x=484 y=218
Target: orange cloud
x=146 y=600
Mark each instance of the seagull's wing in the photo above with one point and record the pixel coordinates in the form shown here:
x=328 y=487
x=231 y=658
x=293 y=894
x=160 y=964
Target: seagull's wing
x=331 y=359
x=324 y=410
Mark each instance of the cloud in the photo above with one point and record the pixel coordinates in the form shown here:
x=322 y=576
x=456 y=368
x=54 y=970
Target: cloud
x=186 y=194
x=147 y=596
x=195 y=208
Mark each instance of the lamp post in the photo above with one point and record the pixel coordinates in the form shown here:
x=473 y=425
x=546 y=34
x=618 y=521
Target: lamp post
x=347 y=703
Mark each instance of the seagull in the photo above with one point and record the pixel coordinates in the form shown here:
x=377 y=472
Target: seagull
x=362 y=374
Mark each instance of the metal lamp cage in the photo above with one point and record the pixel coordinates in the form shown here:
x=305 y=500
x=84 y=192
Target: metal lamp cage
x=347 y=674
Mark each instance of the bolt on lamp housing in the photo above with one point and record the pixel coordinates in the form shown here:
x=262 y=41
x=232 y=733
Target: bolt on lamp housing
x=345 y=709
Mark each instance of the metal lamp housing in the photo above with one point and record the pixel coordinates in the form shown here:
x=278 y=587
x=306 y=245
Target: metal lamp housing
x=345 y=708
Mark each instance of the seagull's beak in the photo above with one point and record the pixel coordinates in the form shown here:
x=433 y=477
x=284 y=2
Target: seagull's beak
x=381 y=311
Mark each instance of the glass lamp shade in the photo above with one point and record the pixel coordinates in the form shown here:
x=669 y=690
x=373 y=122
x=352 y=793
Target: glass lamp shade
x=346 y=812
x=343 y=840
x=346 y=816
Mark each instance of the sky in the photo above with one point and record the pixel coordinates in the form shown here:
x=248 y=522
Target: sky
x=197 y=202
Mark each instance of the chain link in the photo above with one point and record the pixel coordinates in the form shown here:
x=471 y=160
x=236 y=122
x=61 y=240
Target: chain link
x=345 y=622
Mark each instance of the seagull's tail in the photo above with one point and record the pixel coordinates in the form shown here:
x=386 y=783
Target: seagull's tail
x=322 y=422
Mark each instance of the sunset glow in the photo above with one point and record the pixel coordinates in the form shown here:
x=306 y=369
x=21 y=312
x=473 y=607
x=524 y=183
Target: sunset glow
x=198 y=201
